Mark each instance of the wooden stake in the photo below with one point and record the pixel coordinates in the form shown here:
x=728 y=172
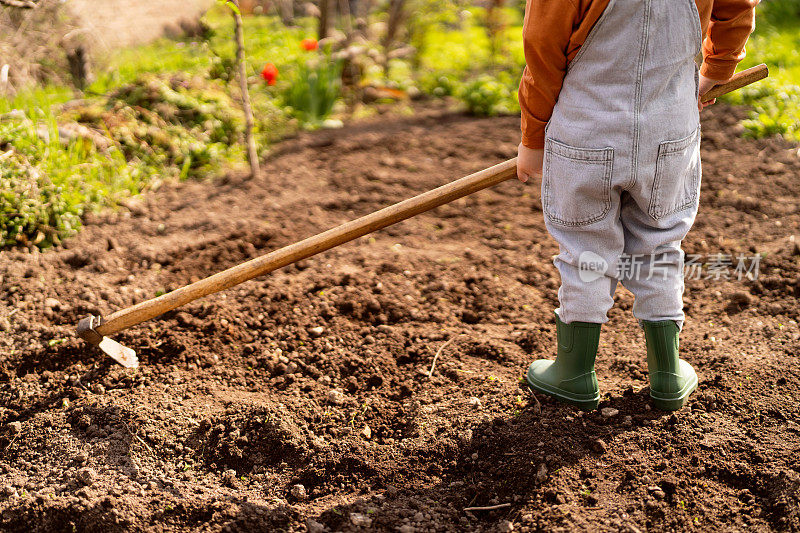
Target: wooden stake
x=252 y=153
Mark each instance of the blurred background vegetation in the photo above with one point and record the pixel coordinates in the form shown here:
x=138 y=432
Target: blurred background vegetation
x=82 y=129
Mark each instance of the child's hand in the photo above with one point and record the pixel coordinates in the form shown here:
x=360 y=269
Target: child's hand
x=706 y=84
x=529 y=162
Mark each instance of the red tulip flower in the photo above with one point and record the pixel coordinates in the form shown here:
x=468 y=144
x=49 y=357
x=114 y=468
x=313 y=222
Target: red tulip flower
x=270 y=73
x=309 y=44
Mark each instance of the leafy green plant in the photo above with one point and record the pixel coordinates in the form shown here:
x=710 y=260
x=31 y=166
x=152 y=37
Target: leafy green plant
x=154 y=128
x=778 y=114
x=46 y=186
x=31 y=209
x=314 y=89
x=439 y=85
x=490 y=95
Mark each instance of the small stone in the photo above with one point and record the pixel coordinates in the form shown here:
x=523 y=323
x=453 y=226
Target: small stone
x=81 y=457
x=87 y=476
x=316 y=331
x=360 y=520
x=314 y=526
x=229 y=477
x=51 y=303
x=9 y=491
x=299 y=492
x=608 y=412
x=599 y=446
x=335 y=396
x=407 y=528
x=541 y=474
x=15 y=428
x=475 y=402
x=505 y=526
x=366 y=433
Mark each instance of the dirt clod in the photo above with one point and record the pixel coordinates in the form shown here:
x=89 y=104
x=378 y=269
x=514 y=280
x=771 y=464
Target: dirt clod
x=336 y=397
x=360 y=520
x=505 y=526
x=87 y=476
x=599 y=446
x=299 y=492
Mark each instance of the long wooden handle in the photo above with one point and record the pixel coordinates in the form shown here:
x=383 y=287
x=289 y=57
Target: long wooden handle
x=146 y=310
x=737 y=81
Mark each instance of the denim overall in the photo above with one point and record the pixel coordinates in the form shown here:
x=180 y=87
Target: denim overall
x=621 y=175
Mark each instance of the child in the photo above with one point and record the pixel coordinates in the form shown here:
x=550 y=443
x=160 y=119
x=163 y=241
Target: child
x=610 y=116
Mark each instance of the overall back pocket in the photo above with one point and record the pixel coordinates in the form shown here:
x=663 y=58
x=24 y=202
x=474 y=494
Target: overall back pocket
x=677 y=181
x=576 y=185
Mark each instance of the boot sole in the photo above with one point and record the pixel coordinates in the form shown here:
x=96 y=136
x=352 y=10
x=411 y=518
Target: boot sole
x=673 y=402
x=585 y=402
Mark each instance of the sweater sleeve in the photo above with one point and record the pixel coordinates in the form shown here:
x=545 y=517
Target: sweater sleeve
x=546 y=33
x=732 y=22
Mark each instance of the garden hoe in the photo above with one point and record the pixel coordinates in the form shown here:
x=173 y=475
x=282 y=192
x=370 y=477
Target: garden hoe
x=95 y=329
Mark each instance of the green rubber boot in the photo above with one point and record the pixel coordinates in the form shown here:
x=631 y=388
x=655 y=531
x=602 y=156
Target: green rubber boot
x=570 y=378
x=672 y=380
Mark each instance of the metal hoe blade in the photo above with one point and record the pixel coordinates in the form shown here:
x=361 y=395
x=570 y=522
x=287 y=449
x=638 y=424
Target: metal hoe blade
x=119 y=353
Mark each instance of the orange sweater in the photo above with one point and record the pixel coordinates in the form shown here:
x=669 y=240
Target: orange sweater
x=554 y=31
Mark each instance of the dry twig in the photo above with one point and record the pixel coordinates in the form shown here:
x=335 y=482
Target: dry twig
x=137 y=437
x=537 y=408
x=488 y=507
x=439 y=352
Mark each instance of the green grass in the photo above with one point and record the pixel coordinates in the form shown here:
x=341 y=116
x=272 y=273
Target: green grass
x=776 y=100
x=266 y=40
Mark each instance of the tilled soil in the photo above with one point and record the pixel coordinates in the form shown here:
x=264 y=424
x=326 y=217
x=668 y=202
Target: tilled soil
x=304 y=399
